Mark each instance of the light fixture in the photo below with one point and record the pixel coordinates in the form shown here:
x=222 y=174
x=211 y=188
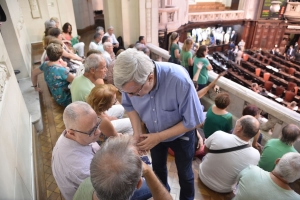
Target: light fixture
x=275 y=6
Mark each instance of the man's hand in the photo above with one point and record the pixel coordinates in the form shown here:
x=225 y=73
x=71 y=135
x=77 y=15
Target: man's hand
x=149 y=141
x=146 y=168
x=257 y=146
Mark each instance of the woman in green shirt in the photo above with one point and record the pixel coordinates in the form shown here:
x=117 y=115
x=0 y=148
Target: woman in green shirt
x=187 y=56
x=200 y=57
x=174 y=49
x=217 y=118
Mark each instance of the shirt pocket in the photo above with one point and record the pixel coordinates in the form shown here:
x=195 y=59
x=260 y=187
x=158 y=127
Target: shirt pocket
x=170 y=117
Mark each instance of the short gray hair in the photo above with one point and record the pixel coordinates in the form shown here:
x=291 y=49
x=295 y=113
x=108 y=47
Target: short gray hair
x=106 y=44
x=99 y=28
x=111 y=27
x=132 y=65
x=74 y=112
x=116 y=169
x=250 y=126
x=93 y=61
x=288 y=167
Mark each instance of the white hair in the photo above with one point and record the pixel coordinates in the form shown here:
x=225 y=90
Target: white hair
x=111 y=27
x=132 y=65
x=74 y=112
x=288 y=167
x=106 y=45
x=93 y=61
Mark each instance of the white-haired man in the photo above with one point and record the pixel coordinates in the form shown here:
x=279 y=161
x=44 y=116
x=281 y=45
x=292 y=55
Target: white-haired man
x=163 y=96
x=116 y=173
x=255 y=183
x=108 y=53
x=113 y=39
x=228 y=155
x=75 y=148
x=95 y=71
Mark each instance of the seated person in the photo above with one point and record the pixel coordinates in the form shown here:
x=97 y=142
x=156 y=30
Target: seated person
x=100 y=30
x=255 y=183
x=102 y=98
x=111 y=183
x=95 y=44
x=75 y=147
x=292 y=105
x=95 y=72
x=273 y=51
x=56 y=76
x=219 y=171
x=217 y=118
x=113 y=39
x=297 y=55
x=255 y=88
x=56 y=32
x=108 y=53
x=67 y=35
x=276 y=148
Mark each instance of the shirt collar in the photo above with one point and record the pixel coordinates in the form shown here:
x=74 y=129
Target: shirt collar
x=157 y=74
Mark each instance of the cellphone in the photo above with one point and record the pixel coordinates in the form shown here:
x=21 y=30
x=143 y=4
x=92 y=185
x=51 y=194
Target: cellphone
x=146 y=159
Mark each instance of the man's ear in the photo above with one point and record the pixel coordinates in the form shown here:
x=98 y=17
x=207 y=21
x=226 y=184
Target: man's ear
x=140 y=183
x=277 y=161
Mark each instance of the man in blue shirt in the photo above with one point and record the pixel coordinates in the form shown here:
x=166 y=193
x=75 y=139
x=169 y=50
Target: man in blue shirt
x=161 y=95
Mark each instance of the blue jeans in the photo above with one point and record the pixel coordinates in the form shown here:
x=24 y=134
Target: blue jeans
x=143 y=193
x=183 y=148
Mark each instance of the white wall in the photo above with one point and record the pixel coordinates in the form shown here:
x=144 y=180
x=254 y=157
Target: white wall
x=97 y=4
x=16 y=169
x=16 y=38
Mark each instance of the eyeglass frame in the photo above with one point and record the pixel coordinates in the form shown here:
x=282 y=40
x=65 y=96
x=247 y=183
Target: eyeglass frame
x=136 y=93
x=93 y=129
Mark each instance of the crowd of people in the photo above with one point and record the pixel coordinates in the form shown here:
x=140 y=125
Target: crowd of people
x=98 y=155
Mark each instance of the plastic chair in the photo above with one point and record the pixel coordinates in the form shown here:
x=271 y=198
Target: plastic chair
x=257 y=71
x=291 y=71
x=289 y=96
x=266 y=76
x=291 y=86
x=268 y=85
x=279 y=91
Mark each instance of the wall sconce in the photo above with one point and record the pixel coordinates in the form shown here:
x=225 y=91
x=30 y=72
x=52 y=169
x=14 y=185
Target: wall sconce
x=275 y=6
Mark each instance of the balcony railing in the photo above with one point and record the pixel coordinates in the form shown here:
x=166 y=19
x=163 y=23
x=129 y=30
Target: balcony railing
x=168 y=18
x=279 y=116
x=216 y=16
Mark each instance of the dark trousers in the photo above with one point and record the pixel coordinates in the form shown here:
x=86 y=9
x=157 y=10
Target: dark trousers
x=184 y=151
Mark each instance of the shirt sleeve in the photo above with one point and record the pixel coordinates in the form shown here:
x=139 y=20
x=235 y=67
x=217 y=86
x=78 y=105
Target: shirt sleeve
x=208 y=141
x=229 y=124
x=189 y=104
x=115 y=39
x=126 y=102
x=63 y=72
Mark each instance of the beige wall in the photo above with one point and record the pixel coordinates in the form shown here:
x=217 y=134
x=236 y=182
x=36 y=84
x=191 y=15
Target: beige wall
x=16 y=38
x=113 y=16
x=16 y=169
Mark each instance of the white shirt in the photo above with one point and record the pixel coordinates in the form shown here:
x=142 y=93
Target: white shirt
x=107 y=57
x=112 y=38
x=219 y=171
x=71 y=164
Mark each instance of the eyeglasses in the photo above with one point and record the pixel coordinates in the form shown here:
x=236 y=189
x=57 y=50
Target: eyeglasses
x=135 y=93
x=93 y=131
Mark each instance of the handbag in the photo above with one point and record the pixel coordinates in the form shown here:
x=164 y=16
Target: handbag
x=229 y=149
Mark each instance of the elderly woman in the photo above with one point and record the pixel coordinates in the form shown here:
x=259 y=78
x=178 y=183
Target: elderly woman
x=103 y=97
x=56 y=76
x=217 y=118
x=56 y=32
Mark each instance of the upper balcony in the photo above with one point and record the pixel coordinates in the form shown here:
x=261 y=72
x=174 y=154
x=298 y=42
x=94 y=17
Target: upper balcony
x=216 y=16
x=168 y=18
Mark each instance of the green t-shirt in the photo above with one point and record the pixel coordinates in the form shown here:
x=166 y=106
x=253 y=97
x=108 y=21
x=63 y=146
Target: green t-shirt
x=172 y=50
x=255 y=183
x=185 y=55
x=85 y=190
x=81 y=88
x=273 y=149
x=203 y=77
x=215 y=123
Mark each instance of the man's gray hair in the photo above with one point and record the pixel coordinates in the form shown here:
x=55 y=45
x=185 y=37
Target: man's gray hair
x=116 y=169
x=106 y=45
x=93 y=61
x=74 y=112
x=288 y=167
x=99 y=28
x=132 y=65
x=111 y=27
x=250 y=126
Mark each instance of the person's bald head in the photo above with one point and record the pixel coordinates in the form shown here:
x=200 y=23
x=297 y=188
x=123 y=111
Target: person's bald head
x=290 y=134
x=247 y=126
x=76 y=111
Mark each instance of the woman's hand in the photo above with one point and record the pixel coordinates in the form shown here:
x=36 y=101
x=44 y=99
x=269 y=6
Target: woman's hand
x=38 y=89
x=200 y=65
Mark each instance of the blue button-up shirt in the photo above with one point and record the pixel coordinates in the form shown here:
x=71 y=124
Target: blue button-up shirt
x=174 y=99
